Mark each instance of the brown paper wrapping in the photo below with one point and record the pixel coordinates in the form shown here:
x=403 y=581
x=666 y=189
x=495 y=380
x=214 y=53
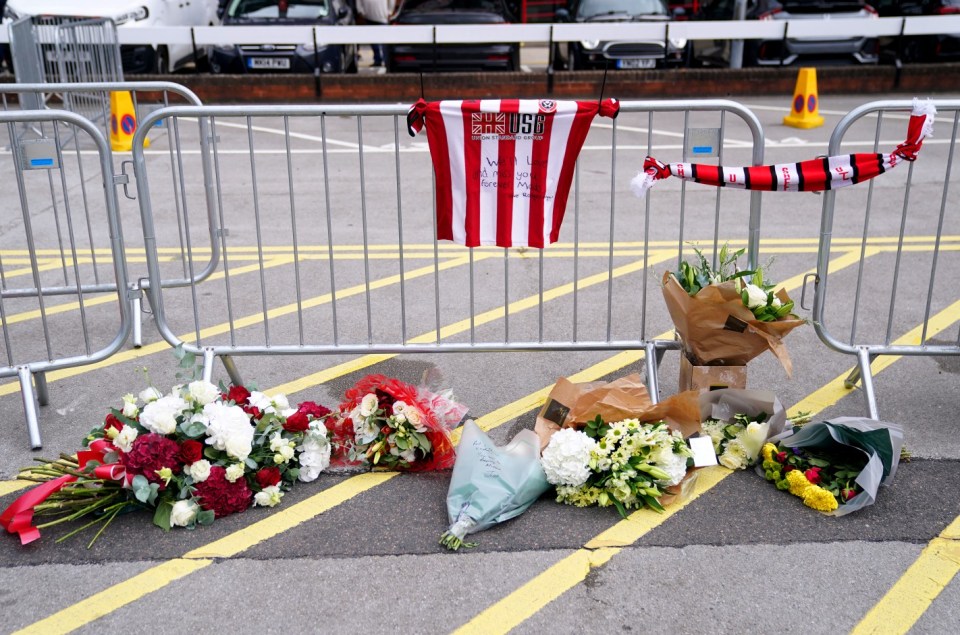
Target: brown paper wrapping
x=718 y=330
x=573 y=405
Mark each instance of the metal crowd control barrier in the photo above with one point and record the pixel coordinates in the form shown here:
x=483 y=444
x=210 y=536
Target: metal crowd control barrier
x=303 y=192
x=146 y=97
x=68 y=246
x=917 y=198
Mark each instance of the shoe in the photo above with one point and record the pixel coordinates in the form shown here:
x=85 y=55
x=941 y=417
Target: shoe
x=377 y=64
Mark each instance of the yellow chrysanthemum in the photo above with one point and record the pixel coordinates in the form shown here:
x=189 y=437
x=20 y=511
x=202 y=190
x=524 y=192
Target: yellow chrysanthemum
x=819 y=499
x=798 y=483
x=768 y=451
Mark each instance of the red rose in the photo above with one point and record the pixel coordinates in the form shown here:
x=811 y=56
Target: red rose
x=781 y=457
x=788 y=468
x=253 y=411
x=268 y=477
x=848 y=493
x=112 y=422
x=312 y=409
x=191 y=451
x=297 y=422
x=813 y=475
x=222 y=497
x=149 y=453
x=238 y=395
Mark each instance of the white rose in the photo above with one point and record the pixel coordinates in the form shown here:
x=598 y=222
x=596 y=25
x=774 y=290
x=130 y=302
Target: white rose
x=566 y=459
x=776 y=303
x=268 y=496
x=160 y=415
x=399 y=406
x=756 y=297
x=184 y=513
x=415 y=417
x=203 y=392
x=368 y=405
x=280 y=402
x=130 y=409
x=149 y=394
x=124 y=440
x=199 y=471
x=261 y=401
x=233 y=472
x=314 y=455
x=229 y=430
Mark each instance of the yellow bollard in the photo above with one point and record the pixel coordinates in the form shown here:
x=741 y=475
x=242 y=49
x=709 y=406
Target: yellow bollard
x=123 y=122
x=805 y=112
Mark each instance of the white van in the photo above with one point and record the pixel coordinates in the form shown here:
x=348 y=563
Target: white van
x=131 y=14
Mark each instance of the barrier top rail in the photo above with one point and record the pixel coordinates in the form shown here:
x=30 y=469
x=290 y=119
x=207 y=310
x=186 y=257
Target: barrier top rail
x=86 y=87
x=544 y=33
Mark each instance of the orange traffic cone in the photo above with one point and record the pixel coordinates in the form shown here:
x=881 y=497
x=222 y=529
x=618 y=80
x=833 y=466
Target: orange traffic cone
x=805 y=112
x=123 y=122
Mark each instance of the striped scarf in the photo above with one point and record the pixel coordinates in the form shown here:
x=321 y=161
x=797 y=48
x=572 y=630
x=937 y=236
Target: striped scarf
x=814 y=175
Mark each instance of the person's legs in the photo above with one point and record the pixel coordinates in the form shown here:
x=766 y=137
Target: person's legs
x=377 y=54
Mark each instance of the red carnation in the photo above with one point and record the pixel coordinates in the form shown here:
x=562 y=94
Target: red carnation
x=191 y=451
x=268 y=477
x=312 y=409
x=149 y=453
x=112 y=422
x=253 y=411
x=222 y=497
x=788 y=468
x=297 y=422
x=238 y=395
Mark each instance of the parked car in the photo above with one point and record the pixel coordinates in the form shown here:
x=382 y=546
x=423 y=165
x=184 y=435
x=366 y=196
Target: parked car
x=132 y=14
x=920 y=48
x=625 y=54
x=863 y=50
x=295 y=58
x=452 y=57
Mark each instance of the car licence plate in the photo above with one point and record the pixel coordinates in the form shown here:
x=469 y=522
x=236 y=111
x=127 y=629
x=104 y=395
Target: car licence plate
x=636 y=63
x=282 y=63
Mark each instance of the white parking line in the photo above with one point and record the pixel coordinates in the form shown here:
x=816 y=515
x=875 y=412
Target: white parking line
x=293 y=135
x=665 y=133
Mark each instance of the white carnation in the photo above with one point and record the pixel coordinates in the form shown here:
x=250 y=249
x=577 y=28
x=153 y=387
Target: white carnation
x=149 y=394
x=184 y=513
x=229 y=429
x=199 y=471
x=203 y=392
x=124 y=440
x=260 y=401
x=233 y=472
x=735 y=456
x=314 y=454
x=566 y=459
x=675 y=465
x=268 y=496
x=160 y=415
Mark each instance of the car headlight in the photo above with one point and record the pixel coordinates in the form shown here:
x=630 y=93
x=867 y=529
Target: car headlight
x=134 y=15
x=589 y=44
x=678 y=43
x=310 y=47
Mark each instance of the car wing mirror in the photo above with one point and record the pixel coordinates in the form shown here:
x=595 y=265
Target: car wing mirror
x=342 y=13
x=562 y=15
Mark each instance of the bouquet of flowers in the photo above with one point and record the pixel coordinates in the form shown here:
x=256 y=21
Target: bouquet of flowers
x=837 y=466
x=627 y=464
x=739 y=423
x=386 y=423
x=723 y=319
x=193 y=455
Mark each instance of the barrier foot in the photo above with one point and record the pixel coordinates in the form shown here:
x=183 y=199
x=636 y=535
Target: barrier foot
x=866 y=381
x=40 y=383
x=652 y=359
x=135 y=311
x=232 y=371
x=29 y=406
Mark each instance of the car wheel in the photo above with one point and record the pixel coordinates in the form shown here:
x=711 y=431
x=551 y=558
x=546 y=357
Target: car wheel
x=162 y=64
x=558 y=63
x=573 y=62
x=912 y=51
x=348 y=62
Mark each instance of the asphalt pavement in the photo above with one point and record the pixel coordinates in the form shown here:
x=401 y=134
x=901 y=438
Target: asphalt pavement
x=358 y=552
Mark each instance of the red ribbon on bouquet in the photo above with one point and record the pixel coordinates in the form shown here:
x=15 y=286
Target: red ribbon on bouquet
x=18 y=517
x=813 y=175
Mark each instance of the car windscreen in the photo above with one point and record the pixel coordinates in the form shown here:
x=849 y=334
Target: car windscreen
x=492 y=6
x=270 y=9
x=822 y=6
x=590 y=9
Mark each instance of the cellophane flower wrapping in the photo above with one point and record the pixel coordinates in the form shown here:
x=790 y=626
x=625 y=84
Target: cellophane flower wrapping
x=875 y=445
x=195 y=454
x=386 y=423
x=739 y=422
x=491 y=484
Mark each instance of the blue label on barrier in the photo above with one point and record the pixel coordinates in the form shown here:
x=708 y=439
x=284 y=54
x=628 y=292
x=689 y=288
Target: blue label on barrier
x=41 y=163
x=703 y=149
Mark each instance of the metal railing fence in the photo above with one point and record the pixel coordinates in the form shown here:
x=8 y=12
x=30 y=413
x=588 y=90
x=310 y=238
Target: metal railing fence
x=902 y=287
x=328 y=239
x=63 y=264
x=146 y=97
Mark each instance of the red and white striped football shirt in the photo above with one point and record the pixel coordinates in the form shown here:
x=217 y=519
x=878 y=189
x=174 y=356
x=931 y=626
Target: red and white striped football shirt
x=504 y=166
